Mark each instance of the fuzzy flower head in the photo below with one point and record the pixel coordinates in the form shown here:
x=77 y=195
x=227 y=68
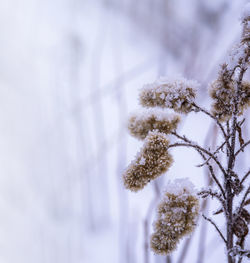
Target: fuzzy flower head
x=176 y=218
x=152 y=161
x=178 y=94
x=223 y=93
x=141 y=124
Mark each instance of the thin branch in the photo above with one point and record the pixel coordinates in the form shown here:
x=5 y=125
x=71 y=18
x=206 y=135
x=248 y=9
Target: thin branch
x=216 y=227
x=215 y=152
x=242 y=147
x=211 y=170
x=215 y=119
x=203 y=156
x=196 y=146
x=211 y=193
x=245 y=177
x=219 y=211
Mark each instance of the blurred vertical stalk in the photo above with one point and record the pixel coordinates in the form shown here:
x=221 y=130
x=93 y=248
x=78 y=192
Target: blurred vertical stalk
x=97 y=109
x=205 y=202
x=148 y=220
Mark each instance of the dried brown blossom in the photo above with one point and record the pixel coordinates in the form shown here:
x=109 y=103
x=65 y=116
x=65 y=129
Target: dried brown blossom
x=152 y=161
x=141 y=124
x=177 y=215
x=223 y=92
x=240 y=227
x=178 y=95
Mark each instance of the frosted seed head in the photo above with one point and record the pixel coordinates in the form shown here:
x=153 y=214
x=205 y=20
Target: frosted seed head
x=178 y=94
x=240 y=227
x=223 y=93
x=140 y=124
x=176 y=216
x=152 y=161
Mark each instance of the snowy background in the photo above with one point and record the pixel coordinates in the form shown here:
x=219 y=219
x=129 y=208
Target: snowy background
x=70 y=72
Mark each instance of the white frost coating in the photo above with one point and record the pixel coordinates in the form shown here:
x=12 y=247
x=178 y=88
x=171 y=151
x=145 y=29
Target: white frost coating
x=180 y=186
x=177 y=94
x=158 y=113
x=175 y=83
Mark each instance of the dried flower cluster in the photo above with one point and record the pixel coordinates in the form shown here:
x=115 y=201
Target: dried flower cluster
x=177 y=215
x=151 y=162
x=223 y=93
x=178 y=94
x=179 y=209
x=154 y=119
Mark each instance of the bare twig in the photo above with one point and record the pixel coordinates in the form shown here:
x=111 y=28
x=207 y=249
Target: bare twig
x=216 y=227
x=211 y=193
x=214 y=118
x=242 y=147
x=189 y=143
x=215 y=152
x=209 y=166
x=244 y=177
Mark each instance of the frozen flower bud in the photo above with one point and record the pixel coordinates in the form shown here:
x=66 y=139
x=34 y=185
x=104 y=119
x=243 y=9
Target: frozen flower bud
x=240 y=227
x=223 y=93
x=141 y=124
x=152 y=161
x=178 y=94
x=177 y=216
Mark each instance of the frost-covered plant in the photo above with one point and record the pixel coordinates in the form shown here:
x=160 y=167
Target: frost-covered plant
x=152 y=161
x=141 y=124
x=178 y=210
x=178 y=94
x=177 y=214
